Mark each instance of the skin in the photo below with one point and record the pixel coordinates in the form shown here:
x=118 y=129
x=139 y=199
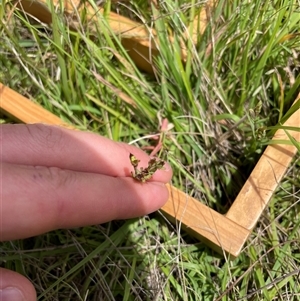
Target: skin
x=54 y=178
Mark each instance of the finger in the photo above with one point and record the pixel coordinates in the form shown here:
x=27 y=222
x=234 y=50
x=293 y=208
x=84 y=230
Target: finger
x=43 y=145
x=14 y=286
x=39 y=199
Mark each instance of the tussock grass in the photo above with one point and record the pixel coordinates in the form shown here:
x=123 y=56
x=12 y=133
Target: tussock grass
x=223 y=105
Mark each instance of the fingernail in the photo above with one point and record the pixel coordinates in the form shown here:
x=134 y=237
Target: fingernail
x=11 y=294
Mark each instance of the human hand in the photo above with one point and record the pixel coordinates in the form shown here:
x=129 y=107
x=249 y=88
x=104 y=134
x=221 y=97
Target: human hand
x=55 y=178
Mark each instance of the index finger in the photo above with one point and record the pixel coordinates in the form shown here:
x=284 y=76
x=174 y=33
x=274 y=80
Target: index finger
x=54 y=146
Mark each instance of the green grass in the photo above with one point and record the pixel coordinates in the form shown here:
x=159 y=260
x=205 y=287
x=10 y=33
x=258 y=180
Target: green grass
x=224 y=104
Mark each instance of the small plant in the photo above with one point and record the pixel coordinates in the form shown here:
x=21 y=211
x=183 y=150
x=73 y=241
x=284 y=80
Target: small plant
x=145 y=174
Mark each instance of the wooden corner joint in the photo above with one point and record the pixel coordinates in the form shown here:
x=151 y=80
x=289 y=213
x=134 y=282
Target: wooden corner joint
x=228 y=233
x=215 y=229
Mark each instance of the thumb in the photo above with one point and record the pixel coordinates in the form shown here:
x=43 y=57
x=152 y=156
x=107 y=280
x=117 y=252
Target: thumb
x=15 y=287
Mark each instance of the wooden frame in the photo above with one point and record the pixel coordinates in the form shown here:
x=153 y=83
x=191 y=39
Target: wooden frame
x=225 y=233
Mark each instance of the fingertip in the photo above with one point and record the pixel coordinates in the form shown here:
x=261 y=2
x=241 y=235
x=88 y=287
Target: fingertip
x=163 y=175
x=156 y=196
x=14 y=286
x=168 y=170
x=163 y=192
